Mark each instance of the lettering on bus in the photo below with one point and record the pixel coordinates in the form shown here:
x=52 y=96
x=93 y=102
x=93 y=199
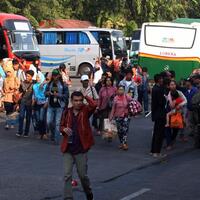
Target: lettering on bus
x=166 y=53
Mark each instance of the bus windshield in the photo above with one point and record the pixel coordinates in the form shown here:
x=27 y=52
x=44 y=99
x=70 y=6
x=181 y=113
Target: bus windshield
x=135 y=46
x=24 y=41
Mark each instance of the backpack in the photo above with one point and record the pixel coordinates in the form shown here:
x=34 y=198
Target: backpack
x=195 y=103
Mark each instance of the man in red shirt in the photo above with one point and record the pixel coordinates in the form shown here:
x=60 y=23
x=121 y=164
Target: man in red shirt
x=77 y=140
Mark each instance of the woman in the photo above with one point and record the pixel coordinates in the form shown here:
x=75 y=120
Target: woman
x=106 y=95
x=40 y=106
x=120 y=114
x=65 y=74
x=10 y=86
x=171 y=134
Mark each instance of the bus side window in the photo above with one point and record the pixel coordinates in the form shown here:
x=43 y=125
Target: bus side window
x=83 y=38
x=71 y=37
x=49 y=38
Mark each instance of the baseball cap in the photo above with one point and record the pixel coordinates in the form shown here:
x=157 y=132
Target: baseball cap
x=84 y=77
x=55 y=72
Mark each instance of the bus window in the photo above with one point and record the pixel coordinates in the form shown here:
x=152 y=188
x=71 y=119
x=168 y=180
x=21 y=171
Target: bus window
x=49 y=38
x=83 y=38
x=76 y=37
x=71 y=37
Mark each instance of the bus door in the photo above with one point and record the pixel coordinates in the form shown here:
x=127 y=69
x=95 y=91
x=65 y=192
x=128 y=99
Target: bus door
x=3 y=46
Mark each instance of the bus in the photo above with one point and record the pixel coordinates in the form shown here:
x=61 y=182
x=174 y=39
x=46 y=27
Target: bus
x=17 y=38
x=170 y=46
x=112 y=42
x=134 y=47
x=79 y=48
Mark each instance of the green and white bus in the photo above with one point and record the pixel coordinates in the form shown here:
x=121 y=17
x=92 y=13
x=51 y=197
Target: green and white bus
x=172 y=46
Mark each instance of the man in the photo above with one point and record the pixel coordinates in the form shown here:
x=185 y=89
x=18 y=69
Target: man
x=189 y=93
x=158 y=115
x=77 y=140
x=87 y=88
x=26 y=89
x=143 y=90
x=58 y=94
x=129 y=85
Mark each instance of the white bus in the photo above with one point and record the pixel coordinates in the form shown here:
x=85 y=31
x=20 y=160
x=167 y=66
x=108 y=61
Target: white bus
x=79 y=48
x=112 y=41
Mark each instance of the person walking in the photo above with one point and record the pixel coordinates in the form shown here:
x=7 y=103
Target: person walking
x=129 y=85
x=77 y=140
x=58 y=94
x=11 y=85
x=25 y=108
x=189 y=93
x=158 y=116
x=120 y=114
x=106 y=96
x=40 y=106
x=171 y=134
x=143 y=90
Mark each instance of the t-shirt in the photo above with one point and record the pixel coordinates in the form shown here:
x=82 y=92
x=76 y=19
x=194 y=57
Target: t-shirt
x=53 y=100
x=178 y=101
x=75 y=147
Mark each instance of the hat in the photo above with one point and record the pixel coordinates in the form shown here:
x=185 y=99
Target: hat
x=55 y=72
x=84 y=77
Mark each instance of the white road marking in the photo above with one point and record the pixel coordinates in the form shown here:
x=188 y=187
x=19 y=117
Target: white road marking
x=136 y=194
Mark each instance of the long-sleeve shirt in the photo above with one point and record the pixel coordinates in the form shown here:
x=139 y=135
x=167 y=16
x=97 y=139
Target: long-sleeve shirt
x=120 y=106
x=130 y=87
x=105 y=94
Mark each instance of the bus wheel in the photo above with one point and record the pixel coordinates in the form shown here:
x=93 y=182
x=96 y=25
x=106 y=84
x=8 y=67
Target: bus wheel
x=85 y=68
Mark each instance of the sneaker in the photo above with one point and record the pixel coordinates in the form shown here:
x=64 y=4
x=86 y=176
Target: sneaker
x=18 y=135
x=25 y=136
x=12 y=127
x=6 y=127
x=90 y=196
x=125 y=147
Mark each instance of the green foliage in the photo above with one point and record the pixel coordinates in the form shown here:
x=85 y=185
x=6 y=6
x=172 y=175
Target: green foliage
x=121 y=14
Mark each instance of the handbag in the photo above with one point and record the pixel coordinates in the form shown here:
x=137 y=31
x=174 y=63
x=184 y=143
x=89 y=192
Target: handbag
x=176 y=120
x=134 y=107
x=110 y=129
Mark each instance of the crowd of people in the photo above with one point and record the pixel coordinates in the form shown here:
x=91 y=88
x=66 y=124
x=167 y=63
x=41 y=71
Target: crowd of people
x=112 y=92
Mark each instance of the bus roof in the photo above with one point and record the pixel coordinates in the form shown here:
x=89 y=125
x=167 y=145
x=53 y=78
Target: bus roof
x=79 y=29
x=5 y=16
x=173 y=24
x=186 y=20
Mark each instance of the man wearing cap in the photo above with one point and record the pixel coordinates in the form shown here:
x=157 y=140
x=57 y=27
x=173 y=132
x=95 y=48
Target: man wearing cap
x=26 y=89
x=87 y=88
x=58 y=95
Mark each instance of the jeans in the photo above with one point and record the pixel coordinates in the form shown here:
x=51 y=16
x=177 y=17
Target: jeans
x=40 y=115
x=9 y=107
x=80 y=161
x=144 y=99
x=25 y=111
x=170 y=135
x=53 y=122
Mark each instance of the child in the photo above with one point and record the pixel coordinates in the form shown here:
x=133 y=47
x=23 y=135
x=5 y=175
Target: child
x=176 y=101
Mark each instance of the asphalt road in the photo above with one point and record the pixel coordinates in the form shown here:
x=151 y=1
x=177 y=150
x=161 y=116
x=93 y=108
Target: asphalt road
x=31 y=169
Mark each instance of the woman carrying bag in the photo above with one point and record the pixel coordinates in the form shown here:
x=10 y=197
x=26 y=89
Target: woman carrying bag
x=120 y=114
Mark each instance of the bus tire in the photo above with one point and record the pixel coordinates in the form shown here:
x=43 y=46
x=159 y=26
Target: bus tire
x=85 y=68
